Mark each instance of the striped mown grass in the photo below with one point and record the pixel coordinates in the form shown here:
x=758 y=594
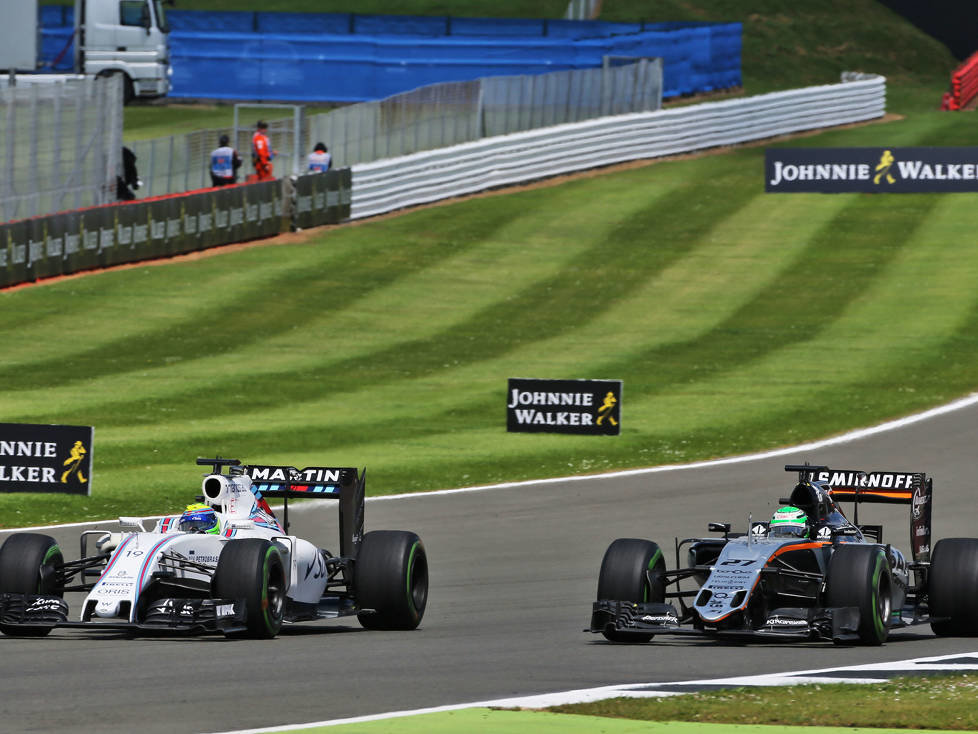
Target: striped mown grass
x=738 y=321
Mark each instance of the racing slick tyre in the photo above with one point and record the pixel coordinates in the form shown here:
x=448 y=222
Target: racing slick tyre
x=953 y=587
x=27 y=566
x=252 y=569
x=391 y=575
x=859 y=576
x=625 y=576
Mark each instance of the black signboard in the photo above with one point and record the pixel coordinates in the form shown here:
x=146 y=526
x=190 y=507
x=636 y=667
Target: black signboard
x=870 y=170
x=40 y=458
x=589 y=407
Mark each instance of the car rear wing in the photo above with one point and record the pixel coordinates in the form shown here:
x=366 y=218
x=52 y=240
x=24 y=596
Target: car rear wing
x=904 y=488
x=345 y=484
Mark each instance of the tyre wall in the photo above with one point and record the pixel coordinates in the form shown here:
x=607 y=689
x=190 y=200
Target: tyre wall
x=100 y=237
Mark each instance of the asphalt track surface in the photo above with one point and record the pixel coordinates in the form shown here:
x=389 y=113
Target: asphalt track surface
x=513 y=574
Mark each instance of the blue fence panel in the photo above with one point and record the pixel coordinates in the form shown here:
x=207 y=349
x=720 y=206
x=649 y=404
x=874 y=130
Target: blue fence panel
x=58 y=48
x=342 y=57
x=53 y=16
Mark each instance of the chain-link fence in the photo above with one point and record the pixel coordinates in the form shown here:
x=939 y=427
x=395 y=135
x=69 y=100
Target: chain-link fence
x=431 y=117
x=457 y=112
x=182 y=162
x=61 y=146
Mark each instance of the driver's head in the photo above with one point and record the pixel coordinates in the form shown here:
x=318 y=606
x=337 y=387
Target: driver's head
x=789 y=522
x=199 y=519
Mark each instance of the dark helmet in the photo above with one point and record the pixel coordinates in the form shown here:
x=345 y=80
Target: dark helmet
x=321 y=147
x=224 y=140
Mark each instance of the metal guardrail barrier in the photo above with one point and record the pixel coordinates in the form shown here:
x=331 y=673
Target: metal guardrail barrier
x=386 y=185
x=423 y=119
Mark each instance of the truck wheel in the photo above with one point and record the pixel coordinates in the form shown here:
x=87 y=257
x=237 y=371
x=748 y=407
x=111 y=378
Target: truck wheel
x=631 y=571
x=128 y=88
x=252 y=569
x=28 y=562
x=953 y=587
x=391 y=575
x=859 y=576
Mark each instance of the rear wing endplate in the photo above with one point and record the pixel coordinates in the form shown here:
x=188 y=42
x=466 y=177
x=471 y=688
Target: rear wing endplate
x=904 y=488
x=341 y=483
x=345 y=484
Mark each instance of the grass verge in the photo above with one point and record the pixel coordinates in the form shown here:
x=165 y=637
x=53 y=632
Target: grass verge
x=942 y=702
x=738 y=321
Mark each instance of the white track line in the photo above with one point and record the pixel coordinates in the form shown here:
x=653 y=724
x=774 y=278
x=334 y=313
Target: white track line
x=893 y=425
x=648 y=690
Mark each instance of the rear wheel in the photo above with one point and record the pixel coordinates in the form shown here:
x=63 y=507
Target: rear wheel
x=391 y=580
x=632 y=570
x=128 y=88
x=28 y=563
x=859 y=576
x=252 y=569
x=953 y=587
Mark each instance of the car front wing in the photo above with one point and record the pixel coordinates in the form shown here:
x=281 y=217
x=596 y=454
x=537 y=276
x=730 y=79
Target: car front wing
x=192 y=616
x=625 y=618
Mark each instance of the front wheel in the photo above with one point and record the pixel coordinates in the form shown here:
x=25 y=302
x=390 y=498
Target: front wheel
x=28 y=565
x=391 y=580
x=953 y=587
x=632 y=570
x=252 y=569
x=859 y=576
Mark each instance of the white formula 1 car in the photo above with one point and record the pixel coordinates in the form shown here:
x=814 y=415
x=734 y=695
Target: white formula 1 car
x=225 y=565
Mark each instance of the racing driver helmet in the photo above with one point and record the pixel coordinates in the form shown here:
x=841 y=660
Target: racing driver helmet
x=789 y=522
x=199 y=519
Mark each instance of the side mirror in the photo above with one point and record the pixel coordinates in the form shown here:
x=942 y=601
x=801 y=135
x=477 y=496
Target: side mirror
x=718 y=527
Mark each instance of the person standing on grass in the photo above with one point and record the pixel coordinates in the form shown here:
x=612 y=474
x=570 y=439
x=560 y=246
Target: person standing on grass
x=225 y=163
x=262 y=152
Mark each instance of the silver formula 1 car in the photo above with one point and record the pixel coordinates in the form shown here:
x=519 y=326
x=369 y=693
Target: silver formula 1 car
x=227 y=564
x=835 y=581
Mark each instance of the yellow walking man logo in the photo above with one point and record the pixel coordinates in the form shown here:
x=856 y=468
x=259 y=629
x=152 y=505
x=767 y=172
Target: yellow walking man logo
x=606 y=410
x=73 y=462
x=883 y=168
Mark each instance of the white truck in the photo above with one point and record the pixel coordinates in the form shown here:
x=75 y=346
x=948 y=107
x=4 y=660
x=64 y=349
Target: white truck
x=125 y=37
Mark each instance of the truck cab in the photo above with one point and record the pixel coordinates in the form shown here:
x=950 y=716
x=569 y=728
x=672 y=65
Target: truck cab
x=127 y=37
